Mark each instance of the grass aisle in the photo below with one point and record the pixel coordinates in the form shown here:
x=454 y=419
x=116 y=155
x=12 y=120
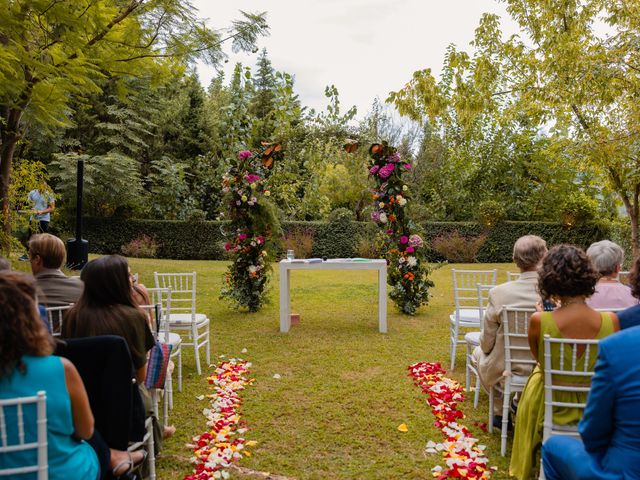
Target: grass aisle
x=344 y=387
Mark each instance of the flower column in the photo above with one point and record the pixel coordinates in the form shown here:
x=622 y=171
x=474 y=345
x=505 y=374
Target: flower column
x=253 y=223
x=404 y=248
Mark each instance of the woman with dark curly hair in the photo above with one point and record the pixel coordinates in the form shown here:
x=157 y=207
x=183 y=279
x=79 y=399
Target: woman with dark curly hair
x=566 y=278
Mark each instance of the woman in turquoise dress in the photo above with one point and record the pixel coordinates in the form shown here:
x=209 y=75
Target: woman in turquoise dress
x=566 y=278
x=26 y=367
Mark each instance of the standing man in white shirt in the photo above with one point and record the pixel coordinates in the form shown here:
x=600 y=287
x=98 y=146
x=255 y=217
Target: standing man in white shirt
x=43 y=204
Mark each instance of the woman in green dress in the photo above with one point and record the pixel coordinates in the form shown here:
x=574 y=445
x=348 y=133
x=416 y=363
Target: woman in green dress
x=567 y=279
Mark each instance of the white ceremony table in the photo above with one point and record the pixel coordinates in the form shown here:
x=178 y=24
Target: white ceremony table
x=333 y=264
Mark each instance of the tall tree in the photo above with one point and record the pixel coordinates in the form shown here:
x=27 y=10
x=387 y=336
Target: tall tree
x=53 y=50
x=263 y=101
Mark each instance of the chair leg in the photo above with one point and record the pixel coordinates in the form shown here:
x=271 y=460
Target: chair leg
x=454 y=345
x=476 y=395
x=506 y=396
x=179 y=373
x=194 y=333
x=491 y=410
x=168 y=392
x=151 y=454
x=467 y=370
x=209 y=343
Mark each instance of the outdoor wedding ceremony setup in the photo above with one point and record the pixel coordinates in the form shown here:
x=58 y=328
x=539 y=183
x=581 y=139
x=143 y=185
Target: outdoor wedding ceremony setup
x=331 y=240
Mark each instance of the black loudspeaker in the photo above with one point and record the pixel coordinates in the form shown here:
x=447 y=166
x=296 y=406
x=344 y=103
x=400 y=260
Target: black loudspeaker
x=77 y=253
x=78 y=248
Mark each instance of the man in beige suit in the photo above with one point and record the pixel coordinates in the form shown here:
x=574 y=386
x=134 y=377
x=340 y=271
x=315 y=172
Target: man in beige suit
x=489 y=356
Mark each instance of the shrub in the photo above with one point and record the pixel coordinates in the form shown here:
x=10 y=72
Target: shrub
x=578 y=209
x=341 y=215
x=142 y=247
x=300 y=240
x=367 y=247
x=458 y=248
x=491 y=212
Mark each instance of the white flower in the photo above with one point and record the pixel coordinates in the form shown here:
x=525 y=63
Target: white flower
x=412 y=261
x=383 y=218
x=252 y=269
x=401 y=200
x=401 y=260
x=404 y=188
x=254 y=186
x=381 y=204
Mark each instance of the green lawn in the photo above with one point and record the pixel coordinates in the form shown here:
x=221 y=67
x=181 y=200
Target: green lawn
x=344 y=388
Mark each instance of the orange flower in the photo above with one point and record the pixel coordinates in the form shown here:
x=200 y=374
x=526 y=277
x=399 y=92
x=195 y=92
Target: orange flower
x=410 y=276
x=392 y=218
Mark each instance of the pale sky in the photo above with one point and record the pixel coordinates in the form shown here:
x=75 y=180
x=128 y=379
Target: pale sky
x=366 y=48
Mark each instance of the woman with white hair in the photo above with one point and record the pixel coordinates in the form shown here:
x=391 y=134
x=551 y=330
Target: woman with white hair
x=607 y=258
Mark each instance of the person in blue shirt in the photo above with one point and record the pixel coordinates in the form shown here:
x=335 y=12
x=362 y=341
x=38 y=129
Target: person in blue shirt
x=42 y=203
x=610 y=427
x=631 y=316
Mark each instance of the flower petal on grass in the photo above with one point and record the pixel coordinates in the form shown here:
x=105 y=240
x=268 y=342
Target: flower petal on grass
x=403 y=428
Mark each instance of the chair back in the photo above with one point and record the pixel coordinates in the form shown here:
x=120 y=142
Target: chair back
x=518 y=360
x=55 y=316
x=9 y=444
x=511 y=276
x=465 y=291
x=161 y=300
x=562 y=375
x=183 y=291
x=623 y=277
x=483 y=300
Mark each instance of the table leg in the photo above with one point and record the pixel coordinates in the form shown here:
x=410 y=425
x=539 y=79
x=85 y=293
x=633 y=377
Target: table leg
x=382 y=299
x=285 y=299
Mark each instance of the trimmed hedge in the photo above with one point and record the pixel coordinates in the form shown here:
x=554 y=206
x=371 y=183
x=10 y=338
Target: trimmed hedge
x=182 y=240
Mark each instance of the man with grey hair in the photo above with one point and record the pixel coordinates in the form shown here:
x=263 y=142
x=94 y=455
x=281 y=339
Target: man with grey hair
x=528 y=252
x=607 y=257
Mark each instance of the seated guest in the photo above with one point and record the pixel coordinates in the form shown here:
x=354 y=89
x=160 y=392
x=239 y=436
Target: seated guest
x=74 y=449
x=528 y=252
x=631 y=316
x=610 y=427
x=46 y=255
x=607 y=258
x=566 y=278
x=106 y=307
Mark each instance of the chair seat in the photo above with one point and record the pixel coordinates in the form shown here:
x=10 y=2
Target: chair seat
x=472 y=338
x=185 y=318
x=174 y=338
x=467 y=321
x=517 y=382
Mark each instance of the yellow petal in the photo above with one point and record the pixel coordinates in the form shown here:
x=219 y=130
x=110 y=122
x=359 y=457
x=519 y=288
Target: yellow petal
x=251 y=443
x=403 y=428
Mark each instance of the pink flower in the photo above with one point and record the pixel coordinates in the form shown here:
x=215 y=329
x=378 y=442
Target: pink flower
x=415 y=240
x=390 y=232
x=410 y=250
x=404 y=239
x=407 y=166
x=242 y=236
x=373 y=170
x=387 y=170
x=395 y=158
x=260 y=240
x=244 y=154
x=252 y=178
x=227 y=246
x=375 y=216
